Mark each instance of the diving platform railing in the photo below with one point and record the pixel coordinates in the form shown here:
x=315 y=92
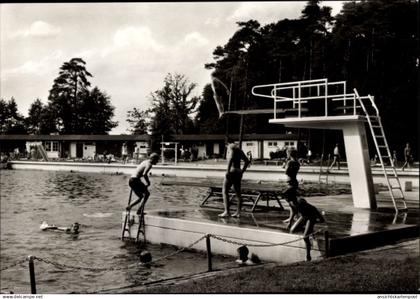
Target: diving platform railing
x=331 y=98
x=322 y=104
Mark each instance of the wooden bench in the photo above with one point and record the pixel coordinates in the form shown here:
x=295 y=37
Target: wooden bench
x=251 y=192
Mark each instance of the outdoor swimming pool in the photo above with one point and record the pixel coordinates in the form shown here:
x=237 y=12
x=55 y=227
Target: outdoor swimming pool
x=95 y=201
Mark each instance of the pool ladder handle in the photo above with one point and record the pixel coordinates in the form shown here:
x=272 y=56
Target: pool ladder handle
x=127 y=225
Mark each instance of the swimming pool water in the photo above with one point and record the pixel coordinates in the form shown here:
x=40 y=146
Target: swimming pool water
x=96 y=201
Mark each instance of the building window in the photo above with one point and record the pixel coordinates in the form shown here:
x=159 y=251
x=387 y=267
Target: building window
x=292 y=143
x=249 y=144
x=55 y=146
x=286 y=143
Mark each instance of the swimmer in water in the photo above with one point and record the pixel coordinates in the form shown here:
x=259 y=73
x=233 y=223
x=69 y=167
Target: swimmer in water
x=72 y=229
x=233 y=177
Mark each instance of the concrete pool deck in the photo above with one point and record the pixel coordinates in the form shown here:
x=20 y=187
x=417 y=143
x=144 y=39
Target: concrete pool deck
x=349 y=229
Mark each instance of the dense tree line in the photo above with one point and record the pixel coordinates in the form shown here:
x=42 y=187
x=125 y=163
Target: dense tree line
x=72 y=108
x=372 y=45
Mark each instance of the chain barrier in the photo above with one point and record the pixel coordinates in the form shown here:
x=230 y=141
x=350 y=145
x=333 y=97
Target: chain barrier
x=98 y=269
x=176 y=252
x=18 y=263
x=261 y=245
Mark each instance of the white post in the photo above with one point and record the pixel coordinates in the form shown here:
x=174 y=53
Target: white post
x=176 y=153
x=358 y=164
x=162 y=151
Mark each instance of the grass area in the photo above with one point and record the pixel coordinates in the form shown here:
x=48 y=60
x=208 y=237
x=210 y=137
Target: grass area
x=392 y=269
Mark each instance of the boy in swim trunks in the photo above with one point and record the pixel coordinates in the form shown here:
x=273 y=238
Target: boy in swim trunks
x=233 y=177
x=138 y=187
x=292 y=168
x=309 y=216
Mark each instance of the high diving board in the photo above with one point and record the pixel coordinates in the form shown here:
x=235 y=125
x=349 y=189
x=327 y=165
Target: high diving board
x=319 y=122
x=250 y=192
x=261 y=111
x=335 y=108
x=249 y=111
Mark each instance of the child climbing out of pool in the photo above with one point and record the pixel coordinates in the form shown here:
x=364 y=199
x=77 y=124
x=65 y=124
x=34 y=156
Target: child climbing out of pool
x=136 y=184
x=73 y=229
x=309 y=216
x=233 y=177
x=292 y=168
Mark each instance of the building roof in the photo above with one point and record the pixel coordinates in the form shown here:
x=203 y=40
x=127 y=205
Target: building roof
x=75 y=137
x=186 y=137
x=221 y=137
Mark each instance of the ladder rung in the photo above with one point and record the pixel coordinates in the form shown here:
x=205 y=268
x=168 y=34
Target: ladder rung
x=382 y=146
x=379 y=136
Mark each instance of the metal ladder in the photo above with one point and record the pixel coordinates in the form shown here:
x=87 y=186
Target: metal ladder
x=382 y=149
x=127 y=224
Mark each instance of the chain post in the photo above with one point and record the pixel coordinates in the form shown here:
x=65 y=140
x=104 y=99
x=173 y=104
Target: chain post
x=32 y=274
x=208 y=246
x=327 y=243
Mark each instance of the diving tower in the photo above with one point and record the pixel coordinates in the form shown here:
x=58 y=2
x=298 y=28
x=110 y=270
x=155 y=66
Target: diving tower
x=320 y=104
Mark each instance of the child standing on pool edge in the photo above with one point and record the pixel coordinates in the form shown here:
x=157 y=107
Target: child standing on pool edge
x=233 y=177
x=292 y=168
x=136 y=184
x=309 y=216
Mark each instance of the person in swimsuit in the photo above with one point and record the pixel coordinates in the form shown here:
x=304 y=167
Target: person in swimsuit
x=309 y=216
x=407 y=156
x=136 y=184
x=73 y=229
x=336 y=158
x=233 y=177
x=292 y=168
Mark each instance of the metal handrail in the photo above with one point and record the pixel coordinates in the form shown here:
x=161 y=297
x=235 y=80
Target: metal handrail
x=297 y=88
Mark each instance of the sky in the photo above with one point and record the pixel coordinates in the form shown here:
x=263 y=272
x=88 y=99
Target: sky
x=129 y=48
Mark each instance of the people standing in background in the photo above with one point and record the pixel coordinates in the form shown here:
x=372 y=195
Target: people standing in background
x=124 y=153
x=336 y=154
x=136 y=153
x=309 y=156
x=394 y=158
x=407 y=156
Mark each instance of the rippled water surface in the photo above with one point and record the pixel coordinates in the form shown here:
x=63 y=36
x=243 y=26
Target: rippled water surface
x=95 y=201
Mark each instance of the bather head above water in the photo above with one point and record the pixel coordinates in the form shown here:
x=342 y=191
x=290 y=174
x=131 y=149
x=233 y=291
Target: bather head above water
x=72 y=229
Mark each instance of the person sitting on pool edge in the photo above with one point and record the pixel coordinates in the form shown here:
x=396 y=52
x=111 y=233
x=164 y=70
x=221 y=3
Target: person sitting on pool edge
x=292 y=168
x=309 y=216
x=233 y=177
x=136 y=184
x=73 y=229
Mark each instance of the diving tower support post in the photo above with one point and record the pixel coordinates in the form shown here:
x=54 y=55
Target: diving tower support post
x=356 y=148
